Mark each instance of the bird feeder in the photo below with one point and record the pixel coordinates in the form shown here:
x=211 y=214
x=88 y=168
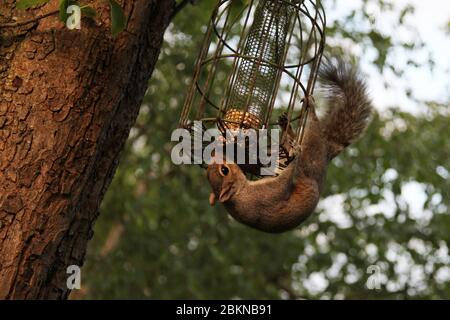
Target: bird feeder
x=259 y=58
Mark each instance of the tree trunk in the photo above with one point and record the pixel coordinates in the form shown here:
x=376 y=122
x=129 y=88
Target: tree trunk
x=67 y=102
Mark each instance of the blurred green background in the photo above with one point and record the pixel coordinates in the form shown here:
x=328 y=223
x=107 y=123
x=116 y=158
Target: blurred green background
x=386 y=202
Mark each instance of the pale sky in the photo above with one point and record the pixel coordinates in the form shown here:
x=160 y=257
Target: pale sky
x=429 y=23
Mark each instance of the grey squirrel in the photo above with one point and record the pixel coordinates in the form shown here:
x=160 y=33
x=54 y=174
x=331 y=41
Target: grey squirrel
x=281 y=203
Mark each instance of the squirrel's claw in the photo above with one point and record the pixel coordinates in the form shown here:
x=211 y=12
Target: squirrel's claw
x=309 y=100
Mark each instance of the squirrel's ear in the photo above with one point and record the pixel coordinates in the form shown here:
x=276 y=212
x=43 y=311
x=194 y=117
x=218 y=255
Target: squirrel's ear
x=227 y=192
x=212 y=199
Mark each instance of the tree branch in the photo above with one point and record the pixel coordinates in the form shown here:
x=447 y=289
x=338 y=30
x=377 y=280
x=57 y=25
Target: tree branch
x=22 y=23
x=179 y=7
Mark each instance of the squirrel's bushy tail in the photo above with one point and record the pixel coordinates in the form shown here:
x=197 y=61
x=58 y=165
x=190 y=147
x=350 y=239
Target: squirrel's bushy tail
x=349 y=104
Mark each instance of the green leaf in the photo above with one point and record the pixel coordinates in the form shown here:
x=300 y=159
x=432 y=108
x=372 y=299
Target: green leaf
x=25 y=4
x=118 y=19
x=63 y=5
x=88 y=12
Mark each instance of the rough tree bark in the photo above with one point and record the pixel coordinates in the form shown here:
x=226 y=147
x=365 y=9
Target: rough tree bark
x=67 y=102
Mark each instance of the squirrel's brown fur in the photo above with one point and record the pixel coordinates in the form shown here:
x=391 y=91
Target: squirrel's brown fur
x=281 y=203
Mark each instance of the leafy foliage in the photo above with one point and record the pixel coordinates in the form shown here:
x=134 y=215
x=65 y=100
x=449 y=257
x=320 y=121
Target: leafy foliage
x=63 y=5
x=118 y=18
x=89 y=12
x=157 y=237
x=25 y=4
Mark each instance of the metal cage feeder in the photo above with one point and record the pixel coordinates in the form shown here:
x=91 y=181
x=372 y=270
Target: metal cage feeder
x=255 y=55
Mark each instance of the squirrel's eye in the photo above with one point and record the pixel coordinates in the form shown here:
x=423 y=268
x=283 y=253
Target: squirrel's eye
x=224 y=170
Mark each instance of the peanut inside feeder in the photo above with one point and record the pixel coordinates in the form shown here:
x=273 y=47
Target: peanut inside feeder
x=236 y=119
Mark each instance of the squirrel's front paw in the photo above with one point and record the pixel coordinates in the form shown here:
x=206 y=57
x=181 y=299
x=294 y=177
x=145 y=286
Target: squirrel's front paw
x=283 y=119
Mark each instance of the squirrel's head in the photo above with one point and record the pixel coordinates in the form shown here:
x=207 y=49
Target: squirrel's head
x=225 y=180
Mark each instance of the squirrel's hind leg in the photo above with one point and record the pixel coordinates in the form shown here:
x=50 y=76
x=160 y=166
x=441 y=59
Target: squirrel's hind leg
x=311 y=156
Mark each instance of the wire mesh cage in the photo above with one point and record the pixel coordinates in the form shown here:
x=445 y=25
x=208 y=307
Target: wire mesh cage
x=259 y=58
